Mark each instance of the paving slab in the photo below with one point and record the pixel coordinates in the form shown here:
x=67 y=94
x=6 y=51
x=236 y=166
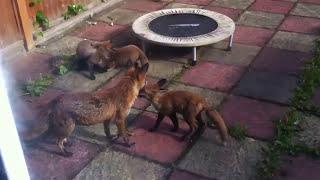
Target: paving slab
x=316 y=97
x=143 y=5
x=300 y=167
x=213 y=76
x=310 y=1
x=256 y=116
x=260 y=19
x=163 y=69
x=309 y=10
x=116 y=165
x=152 y=144
x=196 y=2
x=64 y=46
x=301 y=25
x=181 y=5
x=271 y=6
x=258 y=36
x=235 y=161
x=239 y=4
x=240 y=55
x=280 y=60
x=44 y=163
x=99 y=32
x=269 y=86
x=29 y=67
x=121 y=16
x=182 y=175
x=79 y=81
x=232 y=13
x=168 y=53
x=95 y=133
x=310 y=131
x=293 y=41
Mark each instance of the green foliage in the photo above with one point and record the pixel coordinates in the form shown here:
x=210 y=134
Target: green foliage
x=238 y=132
x=63 y=69
x=73 y=10
x=288 y=128
x=310 y=81
x=34 y=2
x=38 y=86
x=42 y=20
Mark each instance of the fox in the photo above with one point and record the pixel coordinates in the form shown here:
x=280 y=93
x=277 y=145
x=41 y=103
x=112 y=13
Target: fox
x=105 y=56
x=94 y=54
x=188 y=104
x=89 y=108
x=127 y=55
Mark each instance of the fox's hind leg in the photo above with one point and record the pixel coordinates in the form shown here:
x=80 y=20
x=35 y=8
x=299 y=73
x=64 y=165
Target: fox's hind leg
x=175 y=122
x=159 y=119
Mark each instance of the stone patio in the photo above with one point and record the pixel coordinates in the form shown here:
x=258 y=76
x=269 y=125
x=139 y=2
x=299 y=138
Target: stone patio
x=250 y=85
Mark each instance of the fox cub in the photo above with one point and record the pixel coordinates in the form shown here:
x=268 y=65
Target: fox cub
x=188 y=104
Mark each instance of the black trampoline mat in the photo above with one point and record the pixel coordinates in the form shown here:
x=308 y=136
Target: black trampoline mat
x=183 y=25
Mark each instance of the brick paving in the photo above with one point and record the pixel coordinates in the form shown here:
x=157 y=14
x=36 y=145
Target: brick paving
x=250 y=85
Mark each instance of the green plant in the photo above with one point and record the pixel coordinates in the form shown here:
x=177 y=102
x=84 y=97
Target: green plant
x=238 y=132
x=38 y=86
x=288 y=128
x=42 y=20
x=34 y=2
x=73 y=10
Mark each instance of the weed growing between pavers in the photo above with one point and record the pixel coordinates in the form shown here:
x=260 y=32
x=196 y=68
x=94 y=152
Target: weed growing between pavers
x=238 y=131
x=310 y=80
x=38 y=86
x=288 y=128
x=73 y=10
x=63 y=64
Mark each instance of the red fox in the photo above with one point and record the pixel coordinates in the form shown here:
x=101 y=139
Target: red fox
x=114 y=104
x=104 y=56
x=94 y=54
x=188 y=104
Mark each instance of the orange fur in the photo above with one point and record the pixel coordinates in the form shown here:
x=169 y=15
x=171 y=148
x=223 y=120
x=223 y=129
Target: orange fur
x=86 y=109
x=188 y=104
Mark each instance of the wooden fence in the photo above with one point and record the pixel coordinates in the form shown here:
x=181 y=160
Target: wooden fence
x=17 y=17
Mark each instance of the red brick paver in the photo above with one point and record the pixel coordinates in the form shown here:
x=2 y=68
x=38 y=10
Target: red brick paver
x=256 y=116
x=272 y=6
x=196 y=2
x=143 y=5
x=258 y=36
x=232 y=13
x=301 y=24
x=214 y=76
x=154 y=145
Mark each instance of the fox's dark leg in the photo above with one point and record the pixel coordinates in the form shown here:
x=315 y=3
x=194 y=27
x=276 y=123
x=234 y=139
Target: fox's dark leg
x=60 y=143
x=200 y=121
x=106 y=126
x=175 y=122
x=159 y=119
x=122 y=131
x=190 y=118
x=90 y=66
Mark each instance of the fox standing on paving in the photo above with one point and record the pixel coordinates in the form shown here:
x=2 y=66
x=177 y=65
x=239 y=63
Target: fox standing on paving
x=104 y=56
x=189 y=104
x=114 y=104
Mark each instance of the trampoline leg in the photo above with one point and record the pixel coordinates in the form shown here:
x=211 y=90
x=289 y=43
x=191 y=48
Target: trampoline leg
x=144 y=46
x=194 y=61
x=230 y=43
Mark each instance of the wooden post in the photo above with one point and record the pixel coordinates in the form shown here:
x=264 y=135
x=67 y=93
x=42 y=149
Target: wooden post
x=26 y=25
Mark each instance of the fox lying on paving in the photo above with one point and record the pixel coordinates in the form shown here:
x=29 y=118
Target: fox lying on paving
x=188 y=104
x=114 y=104
x=104 y=56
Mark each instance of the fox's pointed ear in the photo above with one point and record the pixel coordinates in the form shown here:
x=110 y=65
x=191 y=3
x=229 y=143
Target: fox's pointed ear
x=161 y=82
